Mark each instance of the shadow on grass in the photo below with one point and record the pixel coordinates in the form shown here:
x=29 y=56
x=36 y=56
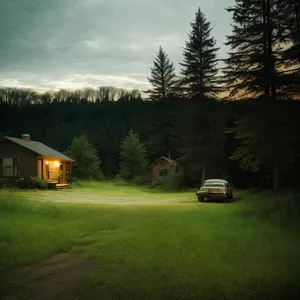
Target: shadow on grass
x=220 y=201
x=212 y=201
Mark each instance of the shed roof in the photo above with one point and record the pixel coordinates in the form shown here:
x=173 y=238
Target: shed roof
x=39 y=148
x=170 y=161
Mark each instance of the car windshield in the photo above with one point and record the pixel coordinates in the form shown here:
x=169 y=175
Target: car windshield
x=214 y=185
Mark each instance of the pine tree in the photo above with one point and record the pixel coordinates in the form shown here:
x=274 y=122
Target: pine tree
x=162 y=127
x=87 y=162
x=291 y=19
x=163 y=77
x=133 y=157
x=290 y=10
x=254 y=71
x=199 y=73
x=251 y=69
x=202 y=140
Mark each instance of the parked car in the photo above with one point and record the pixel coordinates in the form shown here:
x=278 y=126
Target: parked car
x=215 y=189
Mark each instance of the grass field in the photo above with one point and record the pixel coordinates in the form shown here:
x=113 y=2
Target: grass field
x=161 y=246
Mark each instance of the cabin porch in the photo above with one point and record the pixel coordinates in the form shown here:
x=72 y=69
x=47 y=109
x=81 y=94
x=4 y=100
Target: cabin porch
x=54 y=171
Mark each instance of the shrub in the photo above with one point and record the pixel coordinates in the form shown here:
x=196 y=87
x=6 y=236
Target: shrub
x=100 y=177
x=155 y=184
x=119 y=181
x=142 y=180
x=36 y=182
x=172 y=182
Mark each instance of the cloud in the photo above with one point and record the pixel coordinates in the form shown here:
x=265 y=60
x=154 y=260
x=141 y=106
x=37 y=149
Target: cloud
x=75 y=42
x=75 y=81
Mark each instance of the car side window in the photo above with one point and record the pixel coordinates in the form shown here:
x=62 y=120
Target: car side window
x=227 y=185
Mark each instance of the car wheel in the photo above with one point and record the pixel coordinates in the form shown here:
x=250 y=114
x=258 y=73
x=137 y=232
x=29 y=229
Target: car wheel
x=200 y=199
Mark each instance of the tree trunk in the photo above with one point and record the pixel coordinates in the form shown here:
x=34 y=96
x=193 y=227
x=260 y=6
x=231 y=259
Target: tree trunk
x=275 y=178
x=272 y=71
x=203 y=173
x=266 y=59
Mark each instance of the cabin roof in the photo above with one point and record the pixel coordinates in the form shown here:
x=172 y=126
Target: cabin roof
x=170 y=161
x=39 y=148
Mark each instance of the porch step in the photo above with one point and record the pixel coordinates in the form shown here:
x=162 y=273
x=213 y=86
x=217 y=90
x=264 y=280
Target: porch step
x=63 y=185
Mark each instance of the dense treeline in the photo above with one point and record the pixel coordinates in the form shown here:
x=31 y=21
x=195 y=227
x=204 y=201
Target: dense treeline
x=162 y=126
x=25 y=96
x=252 y=142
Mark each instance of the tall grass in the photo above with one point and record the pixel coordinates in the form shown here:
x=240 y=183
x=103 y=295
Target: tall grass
x=283 y=207
x=30 y=230
x=182 y=251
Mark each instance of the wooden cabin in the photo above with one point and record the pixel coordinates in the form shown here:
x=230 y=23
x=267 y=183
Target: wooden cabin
x=24 y=158
x=162 y=166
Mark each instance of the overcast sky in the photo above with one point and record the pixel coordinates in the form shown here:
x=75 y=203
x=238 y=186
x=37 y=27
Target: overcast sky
x=53 y=44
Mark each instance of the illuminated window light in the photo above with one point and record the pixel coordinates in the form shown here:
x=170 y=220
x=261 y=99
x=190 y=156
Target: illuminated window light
x=56 y=164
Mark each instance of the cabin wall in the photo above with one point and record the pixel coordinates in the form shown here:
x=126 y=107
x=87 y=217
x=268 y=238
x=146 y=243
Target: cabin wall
x=24 y=160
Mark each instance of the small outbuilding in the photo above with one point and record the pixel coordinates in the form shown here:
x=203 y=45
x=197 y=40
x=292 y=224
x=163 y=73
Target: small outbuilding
x=162 y=167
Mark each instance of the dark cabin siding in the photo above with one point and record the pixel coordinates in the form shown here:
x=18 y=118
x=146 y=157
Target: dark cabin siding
x=161 y=164
x=27 y=160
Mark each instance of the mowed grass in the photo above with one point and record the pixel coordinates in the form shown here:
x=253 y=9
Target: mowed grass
x=246 y=249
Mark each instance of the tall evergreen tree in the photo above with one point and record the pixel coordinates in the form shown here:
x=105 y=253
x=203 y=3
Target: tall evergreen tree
x=202 y=140
x=291 y=19
x=133 y=157
x=290 y=10
x=163 y=77
x=253 y=71
x=199 y=72
x=162 y=127
x=87 y=161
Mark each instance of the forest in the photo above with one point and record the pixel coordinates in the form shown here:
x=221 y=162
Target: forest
x=235 y=118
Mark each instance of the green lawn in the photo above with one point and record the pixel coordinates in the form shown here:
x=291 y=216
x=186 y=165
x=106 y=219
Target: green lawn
x=179 y=249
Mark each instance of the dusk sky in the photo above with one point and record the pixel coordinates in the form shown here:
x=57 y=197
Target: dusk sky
x=71 y=44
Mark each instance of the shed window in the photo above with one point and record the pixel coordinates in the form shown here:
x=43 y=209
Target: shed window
x=163 y=172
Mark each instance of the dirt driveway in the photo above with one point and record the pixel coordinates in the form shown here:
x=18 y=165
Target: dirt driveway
x=85 y=197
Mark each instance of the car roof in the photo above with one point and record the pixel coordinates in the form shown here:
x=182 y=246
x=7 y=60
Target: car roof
x=216 y=180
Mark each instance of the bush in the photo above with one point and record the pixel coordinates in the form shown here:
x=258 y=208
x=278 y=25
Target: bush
x=155 y=184
x=100 y=177
x=36 y=182
x=142 y=180
x=172 y=182
x=119 y=181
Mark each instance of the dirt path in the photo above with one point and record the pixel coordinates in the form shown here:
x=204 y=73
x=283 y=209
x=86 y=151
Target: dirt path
x=65 y=197
x=55 y=278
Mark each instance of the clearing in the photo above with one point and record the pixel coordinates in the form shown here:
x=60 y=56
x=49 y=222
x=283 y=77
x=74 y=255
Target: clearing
x=144 y=244
x=109 y=194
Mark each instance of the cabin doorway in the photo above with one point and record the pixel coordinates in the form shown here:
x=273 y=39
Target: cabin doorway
x=40 y=168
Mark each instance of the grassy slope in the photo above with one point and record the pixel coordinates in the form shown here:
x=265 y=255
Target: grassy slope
x=180 y=251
